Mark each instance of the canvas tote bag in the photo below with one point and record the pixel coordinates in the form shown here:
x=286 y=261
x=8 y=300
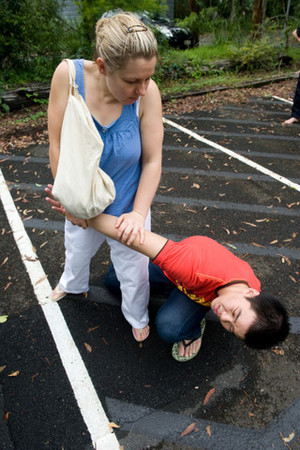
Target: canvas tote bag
x=82 y=188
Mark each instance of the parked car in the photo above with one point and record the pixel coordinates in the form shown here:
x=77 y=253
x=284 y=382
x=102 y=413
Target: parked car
x=164 y=27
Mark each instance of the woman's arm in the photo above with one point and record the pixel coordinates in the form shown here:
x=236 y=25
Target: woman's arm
x=151 y=128
x=58 y=100
x=57 y=104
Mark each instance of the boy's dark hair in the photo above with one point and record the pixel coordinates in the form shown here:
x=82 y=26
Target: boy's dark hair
x=272 y=325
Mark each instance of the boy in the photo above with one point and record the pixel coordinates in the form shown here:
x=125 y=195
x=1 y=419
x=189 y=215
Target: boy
x=207 y=275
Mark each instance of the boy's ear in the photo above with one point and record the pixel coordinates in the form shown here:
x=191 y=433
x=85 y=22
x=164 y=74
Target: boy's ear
x=251 y=292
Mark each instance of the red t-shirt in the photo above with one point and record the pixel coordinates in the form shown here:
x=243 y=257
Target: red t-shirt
x=199 y=266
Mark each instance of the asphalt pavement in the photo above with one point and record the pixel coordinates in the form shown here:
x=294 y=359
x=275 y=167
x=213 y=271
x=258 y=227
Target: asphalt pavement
x=228 y=397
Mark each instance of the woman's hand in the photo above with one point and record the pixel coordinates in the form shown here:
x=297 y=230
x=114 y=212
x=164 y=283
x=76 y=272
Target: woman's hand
x=56 y=206
x=129 y=226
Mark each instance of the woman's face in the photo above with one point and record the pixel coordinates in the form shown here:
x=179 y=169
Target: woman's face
x=129 y=83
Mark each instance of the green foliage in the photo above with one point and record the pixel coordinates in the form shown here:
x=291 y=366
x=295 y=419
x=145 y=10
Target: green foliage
x=32 y=38
x=256 y=55
x=92 y=10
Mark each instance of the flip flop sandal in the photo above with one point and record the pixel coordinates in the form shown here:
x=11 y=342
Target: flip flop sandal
x=135 y=332
x=58 y=293
x=175 y=348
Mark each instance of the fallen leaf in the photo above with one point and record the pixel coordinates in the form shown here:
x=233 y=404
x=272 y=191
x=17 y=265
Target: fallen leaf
x=278 y=351
x=208 y=430
x=208 y=395
x=93 y=329
x=274 y=242
x=88 y=347
x=284 y=258
x=4 y=261
x=293 y=279
x=3 y=319
x=257 y=245
x=250 y=224
x=112 y=425
x=6 y=415
x=2 y=368
x=289 y=438
x=7 y=286
x=196 y=186
x=41 y=279
x=188 y=429
x=14 y=374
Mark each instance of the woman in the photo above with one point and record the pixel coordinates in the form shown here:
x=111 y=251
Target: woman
x=126 y=107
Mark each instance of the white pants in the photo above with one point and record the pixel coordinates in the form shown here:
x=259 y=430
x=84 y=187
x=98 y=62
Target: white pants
x=131 y=269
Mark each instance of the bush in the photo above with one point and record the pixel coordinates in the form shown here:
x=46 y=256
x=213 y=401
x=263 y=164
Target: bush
x=33 y=38
x=256 y=55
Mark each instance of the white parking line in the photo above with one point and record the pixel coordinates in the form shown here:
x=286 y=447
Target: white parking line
x=84 y=391
x=282 y=99
x=241 y=158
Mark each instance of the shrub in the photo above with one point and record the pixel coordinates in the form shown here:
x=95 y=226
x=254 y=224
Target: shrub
x=256 y=55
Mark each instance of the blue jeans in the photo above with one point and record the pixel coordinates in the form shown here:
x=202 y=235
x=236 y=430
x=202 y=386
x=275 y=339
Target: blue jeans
x=179 y=317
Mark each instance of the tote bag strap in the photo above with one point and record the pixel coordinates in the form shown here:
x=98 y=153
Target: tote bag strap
x=72 y=77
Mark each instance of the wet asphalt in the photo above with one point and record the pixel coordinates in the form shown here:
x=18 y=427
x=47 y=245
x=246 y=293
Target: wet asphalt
x=228 y=397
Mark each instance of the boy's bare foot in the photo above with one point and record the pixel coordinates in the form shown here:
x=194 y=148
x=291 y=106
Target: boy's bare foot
x=290 y=121
x=140 y=334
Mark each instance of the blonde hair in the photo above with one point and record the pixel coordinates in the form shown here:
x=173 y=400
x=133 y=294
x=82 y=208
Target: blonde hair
x=123 y=36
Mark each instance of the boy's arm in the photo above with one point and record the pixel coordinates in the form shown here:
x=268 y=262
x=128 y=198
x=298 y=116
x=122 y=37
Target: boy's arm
x=106 y=224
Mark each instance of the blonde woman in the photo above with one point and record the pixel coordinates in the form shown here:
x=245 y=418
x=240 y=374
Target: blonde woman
x=125 y=105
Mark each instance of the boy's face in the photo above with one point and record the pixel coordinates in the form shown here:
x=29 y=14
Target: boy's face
x=234 y=311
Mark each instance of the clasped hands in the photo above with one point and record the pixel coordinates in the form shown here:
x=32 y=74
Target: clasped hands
x=129 y=225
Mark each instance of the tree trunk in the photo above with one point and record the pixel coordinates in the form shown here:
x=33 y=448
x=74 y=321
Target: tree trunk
x=257 y=18
x=194 y=6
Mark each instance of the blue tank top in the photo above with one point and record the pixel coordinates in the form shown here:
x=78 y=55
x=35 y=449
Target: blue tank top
x=121 y=157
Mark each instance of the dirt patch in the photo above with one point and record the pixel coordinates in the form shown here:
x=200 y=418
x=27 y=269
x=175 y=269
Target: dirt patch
x=19 y=129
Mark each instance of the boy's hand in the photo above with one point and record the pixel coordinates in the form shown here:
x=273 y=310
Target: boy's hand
x=56 y=206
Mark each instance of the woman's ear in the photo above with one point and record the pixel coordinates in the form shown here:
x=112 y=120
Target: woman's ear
x=101 y=66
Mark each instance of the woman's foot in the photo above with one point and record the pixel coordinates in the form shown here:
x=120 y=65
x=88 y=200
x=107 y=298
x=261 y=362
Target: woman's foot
x=58 y=293
x=290 y=121
x=140 y=334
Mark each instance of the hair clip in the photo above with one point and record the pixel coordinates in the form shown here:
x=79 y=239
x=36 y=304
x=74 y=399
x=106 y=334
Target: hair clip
x=136 y=28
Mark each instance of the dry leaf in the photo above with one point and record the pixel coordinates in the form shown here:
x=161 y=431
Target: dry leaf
x=208 y=430
x=289 y=438
x=278 y=351
x=2 y=368
x=14 y=374
x=42 y=279
x=188 y=429
x=7 y=286
x=284 y=258
x=112 y=425
x=88 y=347
x=196 y=185
x=251 y=224
x=292 y=278
x=6 y=415
x=4 y=261
x=257 y=245
x=208 y=395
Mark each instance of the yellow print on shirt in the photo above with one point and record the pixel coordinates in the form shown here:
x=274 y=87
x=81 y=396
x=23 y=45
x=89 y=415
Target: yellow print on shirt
x=192 y=296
